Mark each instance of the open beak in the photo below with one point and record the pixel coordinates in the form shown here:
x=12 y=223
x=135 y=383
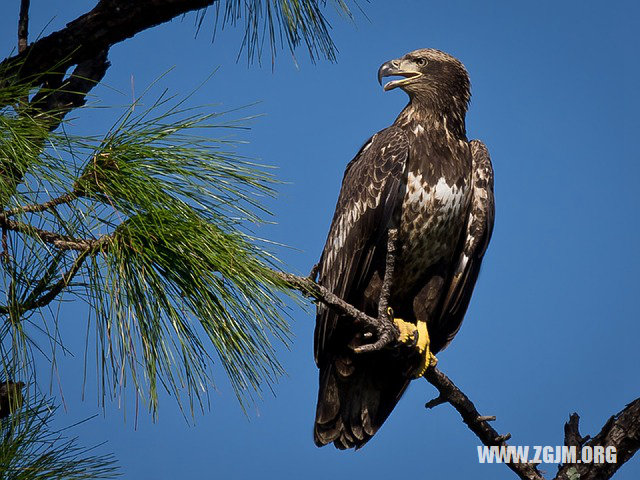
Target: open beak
x=401 y=68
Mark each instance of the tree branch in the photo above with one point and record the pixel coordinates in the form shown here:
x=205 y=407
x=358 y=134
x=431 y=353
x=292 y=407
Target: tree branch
x=385 y=290
x=57 y=98
x=84 y=42
x=572 y=437
x=52 y=104
x=62 y=242
x=621 y=431
x=450 y=393
x=41 y=207
x=110 y=22
x=385 y=329
x=60 y=285
x=86 y=247
x=23 y=25
x=311 y=289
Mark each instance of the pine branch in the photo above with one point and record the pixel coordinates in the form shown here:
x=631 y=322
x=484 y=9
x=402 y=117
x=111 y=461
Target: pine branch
x=62 y=242
x=110 y=22
x=31 y=449
x=23 y=25
x=59 y=286
x=41 y=207
x=57 y=98
x=113 y=21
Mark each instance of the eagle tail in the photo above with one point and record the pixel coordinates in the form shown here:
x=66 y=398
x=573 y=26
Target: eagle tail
x=354 y=401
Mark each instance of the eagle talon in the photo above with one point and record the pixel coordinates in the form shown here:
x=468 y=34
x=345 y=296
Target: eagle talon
x=416 y=337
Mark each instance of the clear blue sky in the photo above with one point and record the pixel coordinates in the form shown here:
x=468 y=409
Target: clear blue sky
x=553 y=326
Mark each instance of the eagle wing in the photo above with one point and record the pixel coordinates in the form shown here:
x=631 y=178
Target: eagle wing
x=357 y=394
x=371 y=193
x=474 y=244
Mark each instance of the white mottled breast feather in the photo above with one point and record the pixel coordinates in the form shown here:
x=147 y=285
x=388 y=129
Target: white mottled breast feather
x=431 y=217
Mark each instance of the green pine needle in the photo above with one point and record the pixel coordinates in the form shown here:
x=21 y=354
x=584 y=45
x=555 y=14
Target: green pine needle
x=31 y=450
x=179 y=281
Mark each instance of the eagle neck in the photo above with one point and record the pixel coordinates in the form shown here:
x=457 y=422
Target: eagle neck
x=447 y=119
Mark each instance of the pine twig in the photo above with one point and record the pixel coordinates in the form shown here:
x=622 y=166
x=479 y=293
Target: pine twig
x=62 y=242
x=41 y=207
x=60 y=285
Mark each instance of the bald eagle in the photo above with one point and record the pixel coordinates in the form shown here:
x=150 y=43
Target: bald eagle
x=423 y=178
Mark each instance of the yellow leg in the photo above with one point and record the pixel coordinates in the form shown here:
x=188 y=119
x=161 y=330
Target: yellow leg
x=427 y=359
x=408 y=332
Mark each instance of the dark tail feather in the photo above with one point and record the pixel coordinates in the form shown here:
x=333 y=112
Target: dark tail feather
x=354 y=401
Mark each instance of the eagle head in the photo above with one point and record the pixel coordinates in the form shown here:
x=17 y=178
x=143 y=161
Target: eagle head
x=428 y=75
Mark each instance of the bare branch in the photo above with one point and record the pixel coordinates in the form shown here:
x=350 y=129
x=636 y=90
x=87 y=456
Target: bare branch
x=23 y=25
x=434 y=402
x=487 y=418
x=385 y=291
x=477 y=423
x=622 y=431
x=110 y=22
x=448 y=391
x=572 y=437
x=386 y=331
x=309 y=288
x=58 y=98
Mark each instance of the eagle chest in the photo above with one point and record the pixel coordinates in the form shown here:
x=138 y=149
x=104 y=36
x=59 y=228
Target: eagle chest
x=432 y=219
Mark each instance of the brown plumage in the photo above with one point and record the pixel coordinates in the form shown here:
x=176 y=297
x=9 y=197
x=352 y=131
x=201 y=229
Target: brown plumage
x=423 y=177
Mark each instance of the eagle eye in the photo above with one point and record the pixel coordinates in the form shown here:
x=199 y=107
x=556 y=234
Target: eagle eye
x=421 y=62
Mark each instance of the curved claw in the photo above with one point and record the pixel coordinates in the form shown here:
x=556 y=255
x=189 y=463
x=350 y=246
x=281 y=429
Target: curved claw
x=413 y=340
x=385 y=339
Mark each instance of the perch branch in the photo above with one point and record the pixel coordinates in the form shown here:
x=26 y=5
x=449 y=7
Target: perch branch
x=386 y=331
x=478 y=424
x=385 y=291
x=311 y=289
x=621 y=431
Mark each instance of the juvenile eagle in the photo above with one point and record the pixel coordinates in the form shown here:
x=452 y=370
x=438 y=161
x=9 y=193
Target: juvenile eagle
x=422 y=177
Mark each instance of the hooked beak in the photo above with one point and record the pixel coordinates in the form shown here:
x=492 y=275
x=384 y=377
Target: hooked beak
x=400 y=67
